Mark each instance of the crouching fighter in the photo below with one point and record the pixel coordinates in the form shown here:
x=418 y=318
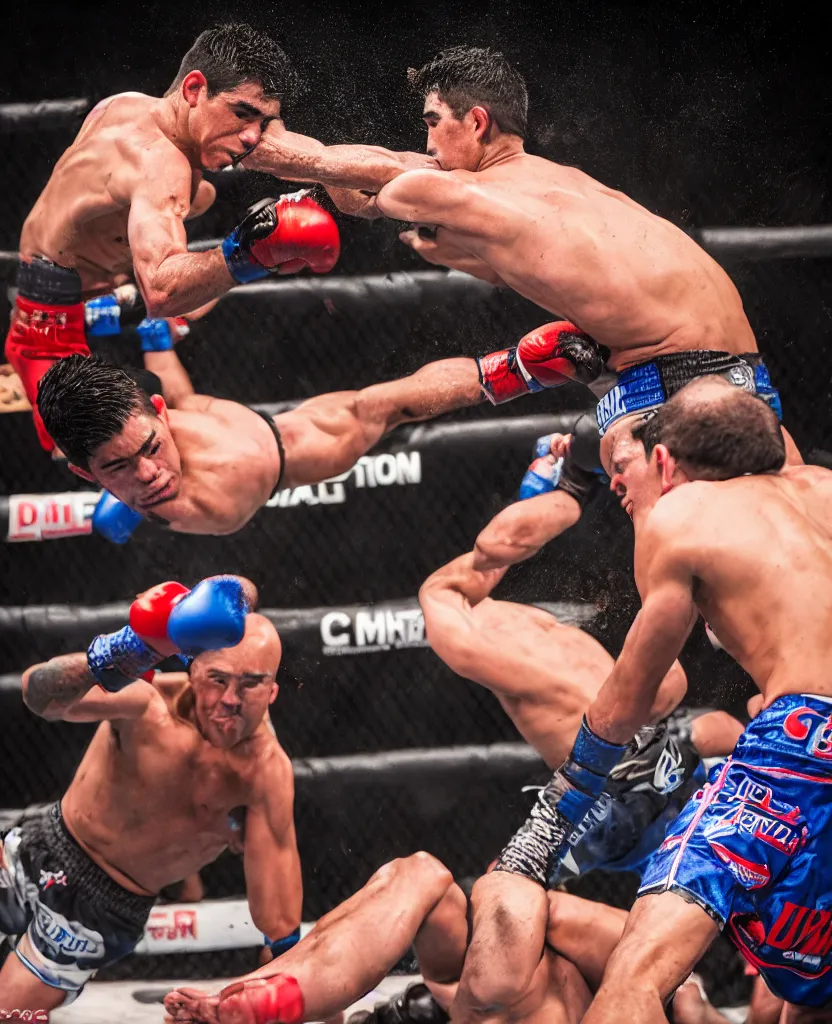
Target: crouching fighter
x=750 y=852
x=181 y=767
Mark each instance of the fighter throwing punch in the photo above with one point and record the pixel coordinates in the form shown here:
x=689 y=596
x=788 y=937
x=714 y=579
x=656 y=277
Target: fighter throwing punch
x=207 y=466
x=661 y=310
x=118 y=198
x=181 y=767
x=750 y=853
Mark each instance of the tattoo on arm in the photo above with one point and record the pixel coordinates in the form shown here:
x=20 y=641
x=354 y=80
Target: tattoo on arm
x=58 y=683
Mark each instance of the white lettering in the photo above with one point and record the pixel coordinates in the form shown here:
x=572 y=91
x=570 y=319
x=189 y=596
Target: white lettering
x=328 y=624
x=369 y=628
x=385 y=469
x=409 y=465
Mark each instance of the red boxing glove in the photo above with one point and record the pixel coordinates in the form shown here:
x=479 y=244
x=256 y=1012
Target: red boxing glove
x=150 y=612
x=552 y=355
x=275 y=1000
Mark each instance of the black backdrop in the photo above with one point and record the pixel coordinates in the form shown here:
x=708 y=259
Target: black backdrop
x=708 y=115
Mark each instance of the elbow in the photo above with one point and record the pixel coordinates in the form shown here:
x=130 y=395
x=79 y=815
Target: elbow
x=32 y=694
x=159 y=304
x=275 y=922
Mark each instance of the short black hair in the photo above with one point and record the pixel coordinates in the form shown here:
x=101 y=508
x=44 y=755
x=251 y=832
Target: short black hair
x=85 y=401
x=717 y=433
x=468 y=76
x=231 y=54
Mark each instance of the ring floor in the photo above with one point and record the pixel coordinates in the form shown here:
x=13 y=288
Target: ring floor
x=105 y=1001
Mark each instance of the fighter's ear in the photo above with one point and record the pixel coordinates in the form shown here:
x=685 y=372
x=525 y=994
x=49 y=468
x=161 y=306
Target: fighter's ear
x=160 y=406
x=192 y=85
x=482 y=121
x=83 y=473
x=274 y=693
x=667 y=466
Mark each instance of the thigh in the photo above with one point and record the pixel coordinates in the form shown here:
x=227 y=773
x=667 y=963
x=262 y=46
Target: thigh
x=584 y=932
x=663 y=939
x=22 y=989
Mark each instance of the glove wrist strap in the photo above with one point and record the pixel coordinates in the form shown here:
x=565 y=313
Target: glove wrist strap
x=500 y=377
x=118 y=659
x=242 y=266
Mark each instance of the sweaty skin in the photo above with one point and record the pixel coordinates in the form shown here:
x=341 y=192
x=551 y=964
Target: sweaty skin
x=632 y=280
x=117 y=199
x=178 y=770
x=209 y=465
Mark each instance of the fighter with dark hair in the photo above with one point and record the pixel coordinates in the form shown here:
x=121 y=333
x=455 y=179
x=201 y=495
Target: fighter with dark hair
x=117 y=200
x=640 y=295
x=209 y=465
x=723 y=529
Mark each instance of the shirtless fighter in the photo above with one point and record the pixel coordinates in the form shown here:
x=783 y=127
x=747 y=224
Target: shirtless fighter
x=660 y=308
x=117 y=200
x=750 y=852
x=209 y=465
x=79 y=880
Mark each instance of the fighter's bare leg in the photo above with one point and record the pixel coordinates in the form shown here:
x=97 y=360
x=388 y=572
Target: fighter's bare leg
x=22 y=990
x=765 y=1007
x=326 y=435
x=805 y=1014
x=715 y=733
x=664 y=938
x=510 y=917
x=584 y=932
x=350 y=949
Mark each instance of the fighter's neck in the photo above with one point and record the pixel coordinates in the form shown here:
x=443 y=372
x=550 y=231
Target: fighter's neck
x=172 y=118
x=505 y=148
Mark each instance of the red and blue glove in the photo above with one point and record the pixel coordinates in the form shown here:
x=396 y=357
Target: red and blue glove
x=552 y=355
x=170 y=619
x=543 y=475
x=282 y=236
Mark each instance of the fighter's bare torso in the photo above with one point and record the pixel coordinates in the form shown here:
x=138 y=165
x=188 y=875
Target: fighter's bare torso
x=763 y=581
x=230 y=464
x=80 y=219
x=632 y=280
x=151 y=799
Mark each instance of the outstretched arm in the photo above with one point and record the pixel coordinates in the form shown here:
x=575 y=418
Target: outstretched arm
x=522 y=529
x=64 y=689
x=300 y=158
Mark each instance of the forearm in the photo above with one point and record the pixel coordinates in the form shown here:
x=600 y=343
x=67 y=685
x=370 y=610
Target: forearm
x=621 y=707
x=461 y=579
x=176 y=384
x=57 y=684
x=183 y=282
x=522 y=529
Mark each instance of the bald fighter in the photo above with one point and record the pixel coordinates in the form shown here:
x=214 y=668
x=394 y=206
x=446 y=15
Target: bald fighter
x=209 y=465
x=117 y=200
x=182 y=766
x=750 y=853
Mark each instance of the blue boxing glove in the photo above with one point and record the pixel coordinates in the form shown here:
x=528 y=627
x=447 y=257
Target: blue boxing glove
x=211 y=616
x=572 y=791
x=279 y=946
x=543 y=475
x=160 y=334
x=114 y=520
x=103 y=316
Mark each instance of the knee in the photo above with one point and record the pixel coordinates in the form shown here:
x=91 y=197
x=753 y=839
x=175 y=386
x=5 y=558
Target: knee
x=422 y=872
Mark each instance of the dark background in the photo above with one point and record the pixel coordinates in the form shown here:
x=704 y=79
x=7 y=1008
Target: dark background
x=710 y=114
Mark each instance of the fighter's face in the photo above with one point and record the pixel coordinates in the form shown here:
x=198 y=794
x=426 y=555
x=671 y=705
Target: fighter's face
x=141 y=465
x=453 y=142
x=634 y=478
x=233 y=689
x=227 y=126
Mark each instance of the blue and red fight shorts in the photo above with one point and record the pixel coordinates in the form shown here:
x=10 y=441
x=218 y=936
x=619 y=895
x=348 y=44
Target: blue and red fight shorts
x=754 y=848
x=47 y=324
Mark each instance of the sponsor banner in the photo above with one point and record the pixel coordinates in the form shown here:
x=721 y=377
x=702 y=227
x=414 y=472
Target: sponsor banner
x=384 y=470
x=366 y=630
x=51 y=516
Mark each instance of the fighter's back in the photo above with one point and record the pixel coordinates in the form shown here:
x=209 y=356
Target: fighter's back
x=590 y=253
x=80 y=218
x=760 y=549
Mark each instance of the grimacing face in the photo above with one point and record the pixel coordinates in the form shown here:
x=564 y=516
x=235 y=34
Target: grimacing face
x=233 y=689
x=141 y=465
x=228 y=125
x=452 y=141
x=634 y=478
